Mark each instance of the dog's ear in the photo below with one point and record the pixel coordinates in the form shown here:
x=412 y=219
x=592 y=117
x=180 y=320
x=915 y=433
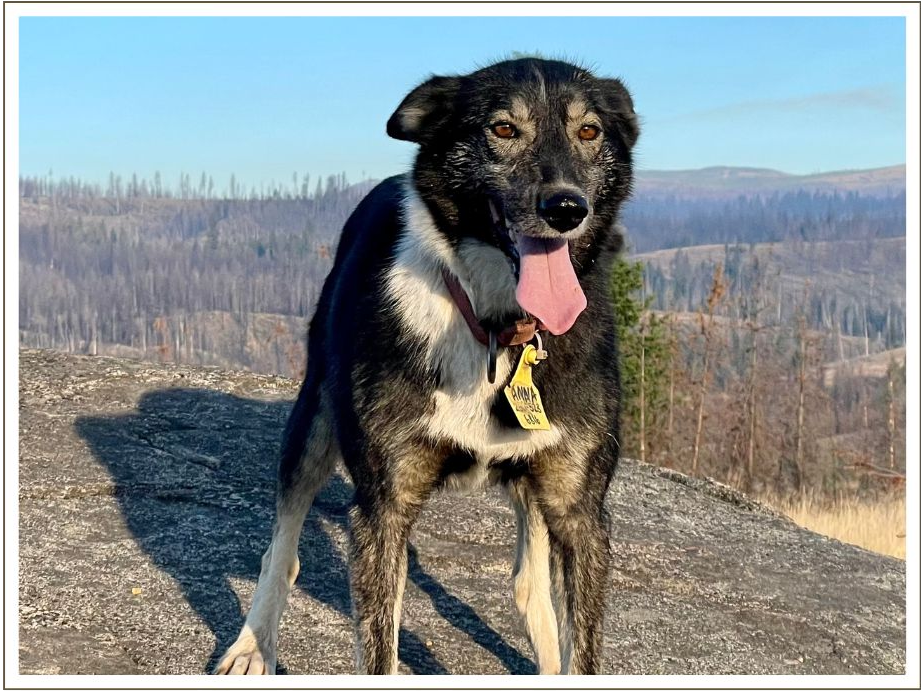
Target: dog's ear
x=618 y=105
x=426 y=107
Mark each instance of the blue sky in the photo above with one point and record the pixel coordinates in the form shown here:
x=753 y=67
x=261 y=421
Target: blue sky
x=265 y=97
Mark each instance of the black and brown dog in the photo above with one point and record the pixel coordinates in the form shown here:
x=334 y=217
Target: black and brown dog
x=505 y=227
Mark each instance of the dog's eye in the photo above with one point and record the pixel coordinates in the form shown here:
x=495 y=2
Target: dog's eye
x=589 y=132
x=505 y=130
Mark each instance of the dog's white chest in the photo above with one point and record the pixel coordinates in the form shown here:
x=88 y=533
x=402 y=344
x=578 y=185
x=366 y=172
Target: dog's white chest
x=463 y=401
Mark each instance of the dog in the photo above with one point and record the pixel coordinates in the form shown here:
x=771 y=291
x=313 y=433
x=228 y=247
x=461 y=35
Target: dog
x=502 y=237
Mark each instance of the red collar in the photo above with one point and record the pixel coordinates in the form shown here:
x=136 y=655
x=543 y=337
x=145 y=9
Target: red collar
x=522 y=331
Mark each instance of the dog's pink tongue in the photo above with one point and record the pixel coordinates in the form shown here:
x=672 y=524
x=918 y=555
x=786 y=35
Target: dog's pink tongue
x=547 y=285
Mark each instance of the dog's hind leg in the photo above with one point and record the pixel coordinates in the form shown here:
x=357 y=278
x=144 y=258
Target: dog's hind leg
x=532 y=580
x=309 y=455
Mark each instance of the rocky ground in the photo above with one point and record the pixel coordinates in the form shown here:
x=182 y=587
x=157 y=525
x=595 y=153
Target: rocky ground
x=146 y=496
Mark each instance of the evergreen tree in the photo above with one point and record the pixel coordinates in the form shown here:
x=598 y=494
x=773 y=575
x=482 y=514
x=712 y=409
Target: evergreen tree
x=645 y=362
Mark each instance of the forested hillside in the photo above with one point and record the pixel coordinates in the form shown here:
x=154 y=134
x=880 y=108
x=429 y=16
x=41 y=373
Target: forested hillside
x=765 y=346
x=723 y=182
x=853 y=290
x=161 y=276
x=230 y=276
x=657 y=222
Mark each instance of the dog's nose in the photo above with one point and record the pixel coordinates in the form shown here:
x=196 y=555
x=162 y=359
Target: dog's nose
x=563 y=211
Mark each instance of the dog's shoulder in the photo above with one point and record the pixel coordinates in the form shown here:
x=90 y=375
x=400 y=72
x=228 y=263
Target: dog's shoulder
x=351 y=304
x=374 y=224
x=366 y=249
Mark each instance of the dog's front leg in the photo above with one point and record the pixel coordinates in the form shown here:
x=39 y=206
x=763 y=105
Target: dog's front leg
x=380 y=525
x=378 y=575
x=532 y=580
x=580 y=564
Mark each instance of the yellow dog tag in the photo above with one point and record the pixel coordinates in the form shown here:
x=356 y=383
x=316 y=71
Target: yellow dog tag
x=523 y=396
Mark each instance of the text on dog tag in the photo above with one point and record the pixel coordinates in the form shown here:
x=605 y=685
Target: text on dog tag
x=523 y=396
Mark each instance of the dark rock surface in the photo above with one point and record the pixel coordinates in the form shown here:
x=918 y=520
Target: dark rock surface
x=146 y=496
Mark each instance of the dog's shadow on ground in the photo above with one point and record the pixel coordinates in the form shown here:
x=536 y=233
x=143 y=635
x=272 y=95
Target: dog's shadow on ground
x=194 y=477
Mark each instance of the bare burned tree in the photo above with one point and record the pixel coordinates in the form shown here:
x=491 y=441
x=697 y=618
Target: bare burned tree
x=708 y=332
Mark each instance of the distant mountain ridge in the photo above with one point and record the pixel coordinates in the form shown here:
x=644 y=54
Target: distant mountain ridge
x=720 y=181
x=713 y=182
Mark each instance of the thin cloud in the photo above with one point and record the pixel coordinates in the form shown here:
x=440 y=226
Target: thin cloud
x=877 y=99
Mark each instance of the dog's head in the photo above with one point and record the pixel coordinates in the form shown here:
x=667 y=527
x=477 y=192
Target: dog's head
x=531 y=156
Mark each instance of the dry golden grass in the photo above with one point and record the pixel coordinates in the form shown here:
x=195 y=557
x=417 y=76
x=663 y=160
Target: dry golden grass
x=878 y=526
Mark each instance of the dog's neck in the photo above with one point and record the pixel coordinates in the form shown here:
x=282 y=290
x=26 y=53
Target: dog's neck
x=482 y=270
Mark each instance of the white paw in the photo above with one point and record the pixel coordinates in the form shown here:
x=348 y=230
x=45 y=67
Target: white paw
x=245 y=657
